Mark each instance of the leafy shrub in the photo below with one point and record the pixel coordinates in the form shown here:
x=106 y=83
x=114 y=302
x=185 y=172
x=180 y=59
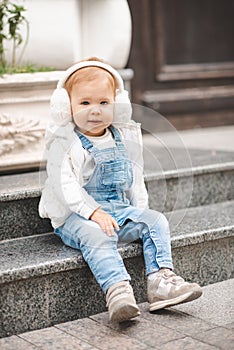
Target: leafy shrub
x=11 y=21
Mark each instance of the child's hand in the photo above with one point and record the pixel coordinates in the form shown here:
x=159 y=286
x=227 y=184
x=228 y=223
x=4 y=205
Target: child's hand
x=105 y=221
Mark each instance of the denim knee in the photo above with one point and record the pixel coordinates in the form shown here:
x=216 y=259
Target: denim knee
x=155 y=219
x=163 y=222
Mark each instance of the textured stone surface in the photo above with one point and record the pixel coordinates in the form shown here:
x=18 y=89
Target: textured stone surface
x=20 y=218
x=220 y=337
x=159 y=163
x=36 y=255
x=188 y=344
x=179 y=178
x=205 y=263
x=212 y=187
x=141 y=329
x=16 y=343
x=190 y=189
x=40 y=275
x=19 y=186
x=24 y=306
x=190 y=326
x=19 y=198
x=179 y=321
x=201 y=223
x=102 y=337
x=164 y=157
x=215 y=306
x=39 y=302
x=42 y=301
x=231 y=254
x=175 y=180
x=53 y=338
x=44 y=254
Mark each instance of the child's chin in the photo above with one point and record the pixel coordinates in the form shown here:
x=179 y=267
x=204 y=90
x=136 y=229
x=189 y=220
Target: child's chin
x=95 y=132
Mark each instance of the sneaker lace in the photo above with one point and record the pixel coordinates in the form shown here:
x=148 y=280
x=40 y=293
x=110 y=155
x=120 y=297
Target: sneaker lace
x=173 y=278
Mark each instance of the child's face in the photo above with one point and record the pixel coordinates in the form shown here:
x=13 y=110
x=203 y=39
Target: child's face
x=92 y=105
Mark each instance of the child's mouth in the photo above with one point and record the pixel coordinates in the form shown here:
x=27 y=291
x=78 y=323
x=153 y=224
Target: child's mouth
x=95 y=122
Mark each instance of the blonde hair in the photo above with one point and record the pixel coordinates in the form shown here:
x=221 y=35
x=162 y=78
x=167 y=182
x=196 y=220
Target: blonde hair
x=89 y=74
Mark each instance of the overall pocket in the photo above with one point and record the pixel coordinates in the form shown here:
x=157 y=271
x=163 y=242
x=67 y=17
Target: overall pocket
x=117 y=173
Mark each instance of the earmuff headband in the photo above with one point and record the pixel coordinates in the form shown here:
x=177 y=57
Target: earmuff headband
x=60 y=102
x=84 y=64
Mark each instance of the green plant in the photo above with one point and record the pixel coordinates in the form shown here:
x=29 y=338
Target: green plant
x=27 y=68
x=11 y=21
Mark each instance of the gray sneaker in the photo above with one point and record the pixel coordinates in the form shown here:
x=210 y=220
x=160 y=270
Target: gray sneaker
x=121 y=302
x=168 y=289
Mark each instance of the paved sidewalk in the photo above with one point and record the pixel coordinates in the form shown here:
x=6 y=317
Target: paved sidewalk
x=204 y=324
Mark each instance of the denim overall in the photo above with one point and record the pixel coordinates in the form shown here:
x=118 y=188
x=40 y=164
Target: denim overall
x=112 y=176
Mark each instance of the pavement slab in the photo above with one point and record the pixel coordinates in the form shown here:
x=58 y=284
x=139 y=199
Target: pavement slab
x=148 y=331
x=179 y=321
x=100 y=336
x=220 y=337
x=53 y=338
x=187 y=343
x=215 y=306
x=16 y=343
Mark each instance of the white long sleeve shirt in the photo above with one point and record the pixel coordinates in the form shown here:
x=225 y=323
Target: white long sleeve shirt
x=69 y=167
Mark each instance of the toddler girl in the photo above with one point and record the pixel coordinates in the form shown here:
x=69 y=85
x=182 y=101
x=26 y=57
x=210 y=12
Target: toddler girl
x=95 y=194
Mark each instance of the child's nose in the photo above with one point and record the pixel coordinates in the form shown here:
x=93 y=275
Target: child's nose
x=96 y=109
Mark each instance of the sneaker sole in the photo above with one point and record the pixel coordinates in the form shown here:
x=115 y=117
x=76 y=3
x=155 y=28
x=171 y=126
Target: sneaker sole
x=185 y=298
x=125 y=312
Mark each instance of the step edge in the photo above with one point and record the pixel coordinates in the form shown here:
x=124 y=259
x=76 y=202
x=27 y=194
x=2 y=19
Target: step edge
x=186 y=172
x=148 y=177
x=202 y=236
x=127 y=251
x=19 y=195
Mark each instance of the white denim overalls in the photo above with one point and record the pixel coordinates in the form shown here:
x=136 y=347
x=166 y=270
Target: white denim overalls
x=113 y=176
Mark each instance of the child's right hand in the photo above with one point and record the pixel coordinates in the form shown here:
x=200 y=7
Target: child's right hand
x=105 y=221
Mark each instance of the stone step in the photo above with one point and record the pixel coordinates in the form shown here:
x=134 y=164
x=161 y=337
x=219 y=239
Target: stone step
x=175 y=179
x=194 y=325
x=43 y=282
x=178 y=178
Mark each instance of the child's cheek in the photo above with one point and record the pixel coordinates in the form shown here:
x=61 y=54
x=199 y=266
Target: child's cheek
x=79 y=117
x=109 y=110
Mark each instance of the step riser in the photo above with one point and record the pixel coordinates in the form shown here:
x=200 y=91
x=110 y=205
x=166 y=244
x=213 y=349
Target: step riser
x=20 y=217
x=43 y=301
x=185 y=191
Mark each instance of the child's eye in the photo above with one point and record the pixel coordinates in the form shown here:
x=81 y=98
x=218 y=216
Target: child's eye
x=104 y=102
x=85 y=103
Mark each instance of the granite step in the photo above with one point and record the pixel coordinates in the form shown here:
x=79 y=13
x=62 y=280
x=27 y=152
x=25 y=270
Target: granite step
x=176 y=180
x=39 y=275
x=204 y=324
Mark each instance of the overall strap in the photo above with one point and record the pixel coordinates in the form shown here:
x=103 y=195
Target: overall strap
x=115 y=134
x=88 y=145
x=118 y=141
x=85 y=141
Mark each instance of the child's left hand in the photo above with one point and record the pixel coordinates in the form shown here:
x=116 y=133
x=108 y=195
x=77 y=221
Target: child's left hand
x=105 y=221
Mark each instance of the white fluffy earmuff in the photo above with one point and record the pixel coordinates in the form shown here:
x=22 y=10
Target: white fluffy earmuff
x=60 y=101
